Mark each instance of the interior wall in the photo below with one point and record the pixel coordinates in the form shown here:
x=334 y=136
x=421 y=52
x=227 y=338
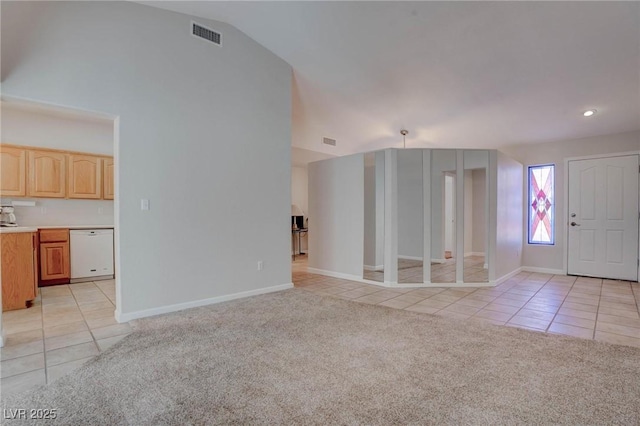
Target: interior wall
x=410 y=204
x=336 y=204
x=204 y=133
x=509 y=213
x=551 y=258
x=299 y=190
x=299 y=197
x=22 y=126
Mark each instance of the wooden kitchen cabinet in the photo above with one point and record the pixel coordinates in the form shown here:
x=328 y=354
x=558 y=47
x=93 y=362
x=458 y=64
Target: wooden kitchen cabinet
x=13 y=172
x=19 y=269
x=54 y=256
x=108 y=186
x=47 y=174
x=84 y=176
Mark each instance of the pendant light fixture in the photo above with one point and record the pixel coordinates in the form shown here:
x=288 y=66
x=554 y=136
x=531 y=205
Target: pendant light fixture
x=404 y=134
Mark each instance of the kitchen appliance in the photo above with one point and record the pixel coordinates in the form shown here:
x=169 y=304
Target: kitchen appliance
x=7 y=217
x=91 y=254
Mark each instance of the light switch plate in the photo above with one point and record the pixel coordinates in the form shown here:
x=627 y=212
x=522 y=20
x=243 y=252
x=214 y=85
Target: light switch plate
x=144 y=204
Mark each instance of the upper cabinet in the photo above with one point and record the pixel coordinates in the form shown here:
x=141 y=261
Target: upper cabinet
x=108 y=187
x=13 y=172
x=47 y=174
x=50 y=173
x=84 y=177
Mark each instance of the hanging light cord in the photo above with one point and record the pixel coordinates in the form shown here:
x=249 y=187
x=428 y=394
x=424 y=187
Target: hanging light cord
x=404 y=134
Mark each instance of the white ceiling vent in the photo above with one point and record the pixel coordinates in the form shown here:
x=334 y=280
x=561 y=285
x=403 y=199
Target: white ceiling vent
x=205 y=33
x=328 y=141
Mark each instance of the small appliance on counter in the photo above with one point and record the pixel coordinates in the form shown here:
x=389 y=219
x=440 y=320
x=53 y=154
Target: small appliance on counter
x=7 y=217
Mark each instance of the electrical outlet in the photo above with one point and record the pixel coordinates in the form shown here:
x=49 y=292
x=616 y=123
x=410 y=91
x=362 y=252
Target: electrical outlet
x=43 y=210
x=100 y=210
x=144 y=204
x=260 y=265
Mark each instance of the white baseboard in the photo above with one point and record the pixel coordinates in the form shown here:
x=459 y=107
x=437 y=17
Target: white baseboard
x=334 y=274
x=509 y=275
x=438 y=260
x=373 y=268
x=543 y=270
x=409 y=257
x=126 y=317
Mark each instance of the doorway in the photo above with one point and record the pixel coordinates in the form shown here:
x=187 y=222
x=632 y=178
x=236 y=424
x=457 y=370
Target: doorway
x=603 y=217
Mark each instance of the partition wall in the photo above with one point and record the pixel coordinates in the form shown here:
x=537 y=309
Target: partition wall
x=417 y=217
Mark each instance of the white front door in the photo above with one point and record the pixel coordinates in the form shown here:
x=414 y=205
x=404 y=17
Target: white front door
x=603 y=217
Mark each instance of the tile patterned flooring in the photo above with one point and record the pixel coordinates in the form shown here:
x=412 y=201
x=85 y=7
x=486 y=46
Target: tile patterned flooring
x=588 y=308
x=66 y=326
x=410 y=271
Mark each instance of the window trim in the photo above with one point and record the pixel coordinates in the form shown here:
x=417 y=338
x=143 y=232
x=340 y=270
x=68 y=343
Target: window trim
x=553 y=206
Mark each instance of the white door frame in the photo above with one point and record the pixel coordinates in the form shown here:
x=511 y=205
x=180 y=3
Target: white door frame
x=565 y=220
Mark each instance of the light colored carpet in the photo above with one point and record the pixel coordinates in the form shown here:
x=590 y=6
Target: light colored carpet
x=297 y=358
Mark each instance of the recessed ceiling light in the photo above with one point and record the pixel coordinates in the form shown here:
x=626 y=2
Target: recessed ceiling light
x=589 y=112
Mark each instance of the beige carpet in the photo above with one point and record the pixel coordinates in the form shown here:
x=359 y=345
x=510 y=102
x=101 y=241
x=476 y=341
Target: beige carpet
x=297 y=358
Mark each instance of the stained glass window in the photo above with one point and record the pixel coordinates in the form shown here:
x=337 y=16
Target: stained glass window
x=541 y=204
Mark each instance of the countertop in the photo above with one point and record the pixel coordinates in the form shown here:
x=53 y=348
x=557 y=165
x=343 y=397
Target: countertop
x=16 y=229
x=76 y=226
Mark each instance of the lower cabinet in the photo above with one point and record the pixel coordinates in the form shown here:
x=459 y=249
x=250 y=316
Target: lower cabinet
x=54 y=256
x=19 y=269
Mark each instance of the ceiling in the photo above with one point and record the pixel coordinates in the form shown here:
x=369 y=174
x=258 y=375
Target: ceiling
x=455 y=74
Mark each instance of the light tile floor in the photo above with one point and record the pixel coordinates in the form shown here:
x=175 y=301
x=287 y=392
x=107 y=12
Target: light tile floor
x=66 y=326
x=588 y=308
x=410 y=271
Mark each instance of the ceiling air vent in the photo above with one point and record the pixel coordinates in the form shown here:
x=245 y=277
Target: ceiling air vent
x=328 y=141
x=205 y=33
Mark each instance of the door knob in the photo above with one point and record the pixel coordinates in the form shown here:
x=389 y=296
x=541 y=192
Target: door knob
x=575 y=224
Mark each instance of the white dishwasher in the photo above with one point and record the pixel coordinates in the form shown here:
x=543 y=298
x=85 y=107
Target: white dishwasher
x=91 y=253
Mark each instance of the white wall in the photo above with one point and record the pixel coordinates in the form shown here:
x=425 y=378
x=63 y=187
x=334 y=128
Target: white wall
x=299 y=197
x=23 y=126
x=336 y=206
x=204 y=134
x=31 y=127
x=552 y=257
x=410 y=204
x=509 y=213
x=299 y=190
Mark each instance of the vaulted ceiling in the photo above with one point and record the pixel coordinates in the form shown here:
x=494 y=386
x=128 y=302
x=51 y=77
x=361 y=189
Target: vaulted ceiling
x=455 y=74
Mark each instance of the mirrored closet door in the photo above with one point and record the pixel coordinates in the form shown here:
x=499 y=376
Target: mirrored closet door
x=374 y=177
x=476 y=216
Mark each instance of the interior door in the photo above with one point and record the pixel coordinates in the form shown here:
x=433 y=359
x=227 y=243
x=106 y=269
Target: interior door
x=603 y=217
